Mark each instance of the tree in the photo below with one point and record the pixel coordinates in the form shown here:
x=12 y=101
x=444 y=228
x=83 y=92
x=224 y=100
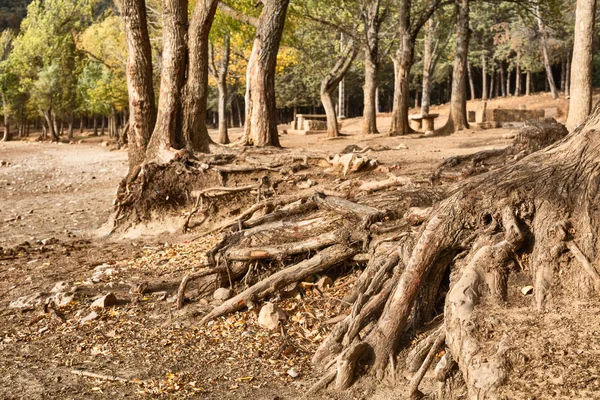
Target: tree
x=142 y=109
x=219 y=74
x=580 y=103
x=373 y=16
x=544 y=44
x=457 y=119
x=261 y=123
x=6 y=79
x=330 y=83
x=409 y=26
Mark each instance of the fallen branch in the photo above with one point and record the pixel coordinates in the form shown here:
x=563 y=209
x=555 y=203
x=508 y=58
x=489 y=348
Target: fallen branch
x=416 y=380
x=373 y=186
x=112 y=378
x=190 y=277
x=320 y=262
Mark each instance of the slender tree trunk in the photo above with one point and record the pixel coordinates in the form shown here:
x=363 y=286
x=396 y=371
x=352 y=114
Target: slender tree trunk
x=329 y=84
x=195 y=133
x=81 y=126
x=261 y=123
x=568 y=82
x=342 y=98
x=563 y=75
x=95 y=125
x=370 y=90
x=528 y=83
x=102 y=125
x=7 y=137
x=508 y=82
x=167 y=131
x=484 y=83
x=471 y=82
x=48 y=116
x=518 y=80
x=239 y=112
x=70 y=127
x=502 y=81
x=427 y=66
x=219 y=74
x=580 y=104
x=492 y=81
x=55 y=124
x=545 y=54
x=142 y=109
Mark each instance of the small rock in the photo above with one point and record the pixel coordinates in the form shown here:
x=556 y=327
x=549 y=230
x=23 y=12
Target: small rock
x=90 y=317
x=31 y=301
x=324 y=282
x=293 y=373
x=172 y=299
x=270 y=315
x=49 y=241
x=306 y=184
x=62 y=299
x=527 y=290
x=402 y=146
x=105 y=301
x=59 y=287
x=222 y=294
x=104 y=144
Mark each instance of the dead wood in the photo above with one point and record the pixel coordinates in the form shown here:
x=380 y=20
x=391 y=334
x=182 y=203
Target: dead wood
x=104 y=377
x=373 y=186
x=320 y=262
x=418 y=377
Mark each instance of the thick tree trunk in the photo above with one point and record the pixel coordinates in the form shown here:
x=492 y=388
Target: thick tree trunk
x=331 y=81
x=167 y=131
x=402 y=64
x=195 y=134
x=546 y=56
x=580 y=103
x=484 y=83
x=457 y=119
x=261 y=122
x=142 y=109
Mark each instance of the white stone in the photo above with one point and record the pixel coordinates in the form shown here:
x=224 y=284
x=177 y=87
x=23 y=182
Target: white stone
x=270 y=315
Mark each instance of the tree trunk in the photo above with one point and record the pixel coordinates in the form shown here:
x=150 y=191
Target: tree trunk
x=239 y=112
x=195 y=133
x=48 y=117
x=142 y=110
x=261 y=123
x=6 y=137
x=580 y=104
x=471 y=82
x=331 y=81
x=402 y=64
x=518 y=80
x=528 y=83
x=492 y=81
x=81 y=126
x=427 y=66
x=484 y=83
x=508 y=83
x=95 y=125
x=568 y=82
x=370 y=89
x=457 y=120
x=545 y=54
x=167 y=131
x=70 y=128
x=219 y=74
x=563 y=75
x=102 y=124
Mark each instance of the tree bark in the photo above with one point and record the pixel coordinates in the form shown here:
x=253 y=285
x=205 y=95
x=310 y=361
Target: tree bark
x=580 y=104
x=492 y=81
x=518 y=80
x=195 y=133
x=48 y=118
x=427 y=66
x=7 y=137
x=545 y=54
x=457 y=120
x=402 y=64
x=502 y=81
x=261 y=122
x=372 y=23
x=331 y=81
x=528 y=83
x=166 y=135
x=142 y=109
x=568 y=82
x=95 y=125
x=219 y=74
x=70 y=128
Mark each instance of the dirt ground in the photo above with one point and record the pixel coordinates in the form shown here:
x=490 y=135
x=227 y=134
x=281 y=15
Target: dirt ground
x=53 y=200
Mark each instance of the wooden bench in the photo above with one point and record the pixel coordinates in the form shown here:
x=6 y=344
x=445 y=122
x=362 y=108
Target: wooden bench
x=424 y=122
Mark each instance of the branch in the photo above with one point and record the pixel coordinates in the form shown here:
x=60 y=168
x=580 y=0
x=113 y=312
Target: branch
x=240 y=16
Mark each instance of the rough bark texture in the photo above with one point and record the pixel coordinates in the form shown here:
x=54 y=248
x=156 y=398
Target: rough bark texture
x=580 y=103
x=403 y=61
x=457 y=120
x=331 y=81
x=261 y=123
x=167 y=131
x=195 y=134
x=427 y=65
x=484 y=83
x=142 y=110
